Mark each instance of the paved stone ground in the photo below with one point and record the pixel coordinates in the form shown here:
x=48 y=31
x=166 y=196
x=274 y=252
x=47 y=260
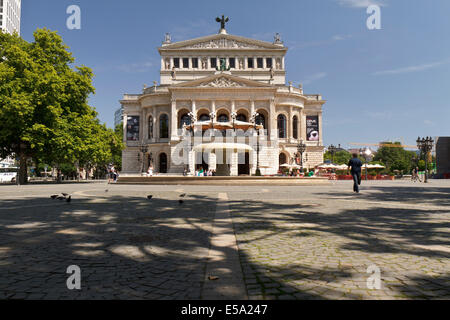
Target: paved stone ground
x=294 y=242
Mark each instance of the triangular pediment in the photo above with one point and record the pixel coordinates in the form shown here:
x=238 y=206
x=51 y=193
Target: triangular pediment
x=222 y=42
x=222 y=80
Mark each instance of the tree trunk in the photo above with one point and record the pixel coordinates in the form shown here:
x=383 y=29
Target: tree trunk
x=23 y=176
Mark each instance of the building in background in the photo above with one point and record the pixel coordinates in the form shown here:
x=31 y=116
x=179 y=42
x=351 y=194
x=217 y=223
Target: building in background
x=118 y=117
x=10 y=16
x=7 y=163
x=443 y=157
x=222 y=81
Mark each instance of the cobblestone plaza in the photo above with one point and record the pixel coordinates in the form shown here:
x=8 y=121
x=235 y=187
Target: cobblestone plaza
x=271 y=242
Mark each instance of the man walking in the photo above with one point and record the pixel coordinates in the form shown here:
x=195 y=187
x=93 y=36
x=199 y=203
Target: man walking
x=355 y=164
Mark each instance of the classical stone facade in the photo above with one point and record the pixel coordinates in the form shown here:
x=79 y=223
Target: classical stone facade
x=221 y=80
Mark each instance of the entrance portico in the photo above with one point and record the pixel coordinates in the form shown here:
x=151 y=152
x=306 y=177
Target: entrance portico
x=223 y=158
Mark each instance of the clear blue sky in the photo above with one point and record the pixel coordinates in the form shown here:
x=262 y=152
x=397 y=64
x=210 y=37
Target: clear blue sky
x=387 y=84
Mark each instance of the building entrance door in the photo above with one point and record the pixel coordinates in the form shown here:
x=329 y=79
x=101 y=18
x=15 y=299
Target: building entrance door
x=162 y=163
x=244 y=163
x=223 y=167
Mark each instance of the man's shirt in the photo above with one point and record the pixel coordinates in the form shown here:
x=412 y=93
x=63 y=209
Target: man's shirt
x=356 y=165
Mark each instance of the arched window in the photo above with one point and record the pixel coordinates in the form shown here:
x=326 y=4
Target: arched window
x=223 y=118
x=162 y=163
x=185 y=120
x=261 y=120
x=164 y=126
x=204 y=117
x=281 y=121
x=241 y=117
x=295 y=127
x=150 y=127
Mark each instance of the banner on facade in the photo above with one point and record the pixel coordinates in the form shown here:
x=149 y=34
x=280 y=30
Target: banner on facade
x=133 y=128
x=312 y=128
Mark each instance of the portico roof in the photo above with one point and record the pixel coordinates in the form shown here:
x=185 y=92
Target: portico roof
x=222 y=42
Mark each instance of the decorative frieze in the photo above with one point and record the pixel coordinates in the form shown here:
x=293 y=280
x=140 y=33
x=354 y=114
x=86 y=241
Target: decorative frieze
x=222 y=82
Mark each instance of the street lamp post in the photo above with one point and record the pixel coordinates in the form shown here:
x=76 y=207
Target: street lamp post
x=301 y=148
x=332 y=149
x=192 y=120
x=143 y=149
x=366 y=154
x=254 y=117
x=425 y=145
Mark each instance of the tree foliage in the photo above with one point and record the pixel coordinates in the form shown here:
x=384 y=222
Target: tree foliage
x=44 y=107
x=340 y=157
x=396 y=158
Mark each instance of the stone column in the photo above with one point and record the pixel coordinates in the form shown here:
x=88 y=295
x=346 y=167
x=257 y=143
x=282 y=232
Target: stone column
x=234 y=164
x=272 y=121
x=282 y=64
x=245 y=63
x=171 y=63
x=213 y=106
x=190 y=63
x=173 y=120
x=303 y=125
x=320 y=129
x=255 y=63
x=125 y=118
x=144 y=125
x=233 y=106
x=290 y=124
x=252 y=108
x=208 y=63
x=194 y=108
x=163 y=67
x=264 y=62
x=154 y=123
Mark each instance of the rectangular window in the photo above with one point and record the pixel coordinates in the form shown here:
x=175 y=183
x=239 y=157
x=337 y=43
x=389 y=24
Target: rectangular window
x=269 y=63
x=213 y=63
x=176 y=62
x=195 y=63
x=232 y=63
x=259 y=62
x=250 y=63
x=185 y=63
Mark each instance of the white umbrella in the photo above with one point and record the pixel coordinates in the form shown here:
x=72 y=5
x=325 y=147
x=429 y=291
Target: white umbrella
x=375 y=166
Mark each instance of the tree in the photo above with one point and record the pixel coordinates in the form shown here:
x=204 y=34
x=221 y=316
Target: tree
x=117 y=147
x=395 y=158
x=340 y=157
x=43 y=105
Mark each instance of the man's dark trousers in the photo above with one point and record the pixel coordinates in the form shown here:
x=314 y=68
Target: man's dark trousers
x=356 y=181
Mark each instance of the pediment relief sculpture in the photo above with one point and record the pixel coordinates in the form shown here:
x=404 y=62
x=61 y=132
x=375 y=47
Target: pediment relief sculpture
x=222 y=82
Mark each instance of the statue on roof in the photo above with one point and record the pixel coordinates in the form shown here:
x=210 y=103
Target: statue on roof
x=223 y=65
x=222 y=22
x=277 y=39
